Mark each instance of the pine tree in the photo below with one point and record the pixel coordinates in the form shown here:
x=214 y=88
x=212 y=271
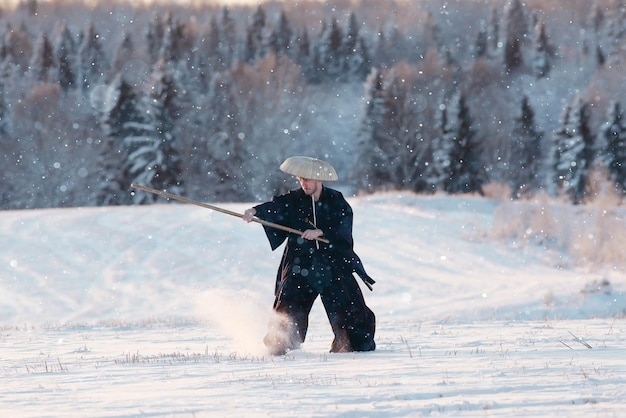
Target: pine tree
x=65 y=51
x=515 y=35
x=351 y=36
x=373 y=172
x=176 y=43
x=494 y=28
x=613 y=133
x=209 y=55
x=224 y=143
x=526 y=160
x=124 y=120
x=439 y=170
x=152 y=158
x=361 y=61
x=391 y=148
x=302 y=53
x=4 y=111
x=616 y=31
x=212 y=42
x=10 y=89
x=170 y=51
x=7 y=149
x=206 y=56
x=92 y=60
x=572 y=153
x=18 y=46
x=600 y=58
x=154 y=37
x=214 y=50
x=228 y=31
x=432 y=33
x=543 y=51
x=284 y=36
x=271 y=42
x=559 y=140
x=123 y=54
x=458 y=162
x=111 y=187
x=406 y=151
x=330 y=51
x=255 y=46
x=597 y=18
x=42 y=61
x=481 y=45
x=357 y=58
x=349 y=45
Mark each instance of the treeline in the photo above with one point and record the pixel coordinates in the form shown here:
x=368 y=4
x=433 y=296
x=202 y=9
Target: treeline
x=206 y=101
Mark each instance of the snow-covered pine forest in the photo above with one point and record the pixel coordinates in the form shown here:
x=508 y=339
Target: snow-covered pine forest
x=206 y=100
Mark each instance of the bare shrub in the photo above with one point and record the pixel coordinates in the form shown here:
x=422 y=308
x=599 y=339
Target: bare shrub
x=592 y=235
x=495 y=190
x=527 y=222
x=602 y=234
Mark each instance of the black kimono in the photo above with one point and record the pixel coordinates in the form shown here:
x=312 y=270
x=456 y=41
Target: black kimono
x=310 y=268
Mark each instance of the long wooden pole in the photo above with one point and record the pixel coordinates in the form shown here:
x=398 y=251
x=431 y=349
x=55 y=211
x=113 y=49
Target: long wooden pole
x=217 y=209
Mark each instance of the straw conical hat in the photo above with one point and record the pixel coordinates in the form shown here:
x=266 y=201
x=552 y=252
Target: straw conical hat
x=309 y=168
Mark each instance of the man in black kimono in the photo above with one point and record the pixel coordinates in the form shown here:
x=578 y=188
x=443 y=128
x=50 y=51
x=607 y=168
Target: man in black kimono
x=321 y=261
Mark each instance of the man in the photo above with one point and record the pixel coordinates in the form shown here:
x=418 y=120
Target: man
x=320 y=261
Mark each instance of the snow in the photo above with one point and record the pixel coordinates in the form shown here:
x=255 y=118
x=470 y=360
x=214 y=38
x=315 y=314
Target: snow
x=160 y=311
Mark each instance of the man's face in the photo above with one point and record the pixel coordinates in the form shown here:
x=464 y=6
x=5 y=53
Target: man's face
x=310 y=187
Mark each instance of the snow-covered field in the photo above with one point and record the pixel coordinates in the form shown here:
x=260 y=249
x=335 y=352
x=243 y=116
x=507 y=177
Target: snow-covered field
x=160 y=311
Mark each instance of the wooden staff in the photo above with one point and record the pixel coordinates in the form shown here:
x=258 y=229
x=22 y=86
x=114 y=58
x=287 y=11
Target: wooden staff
x=218 y=209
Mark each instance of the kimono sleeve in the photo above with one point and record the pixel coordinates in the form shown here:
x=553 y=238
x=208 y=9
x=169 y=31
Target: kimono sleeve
x=271 y=212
